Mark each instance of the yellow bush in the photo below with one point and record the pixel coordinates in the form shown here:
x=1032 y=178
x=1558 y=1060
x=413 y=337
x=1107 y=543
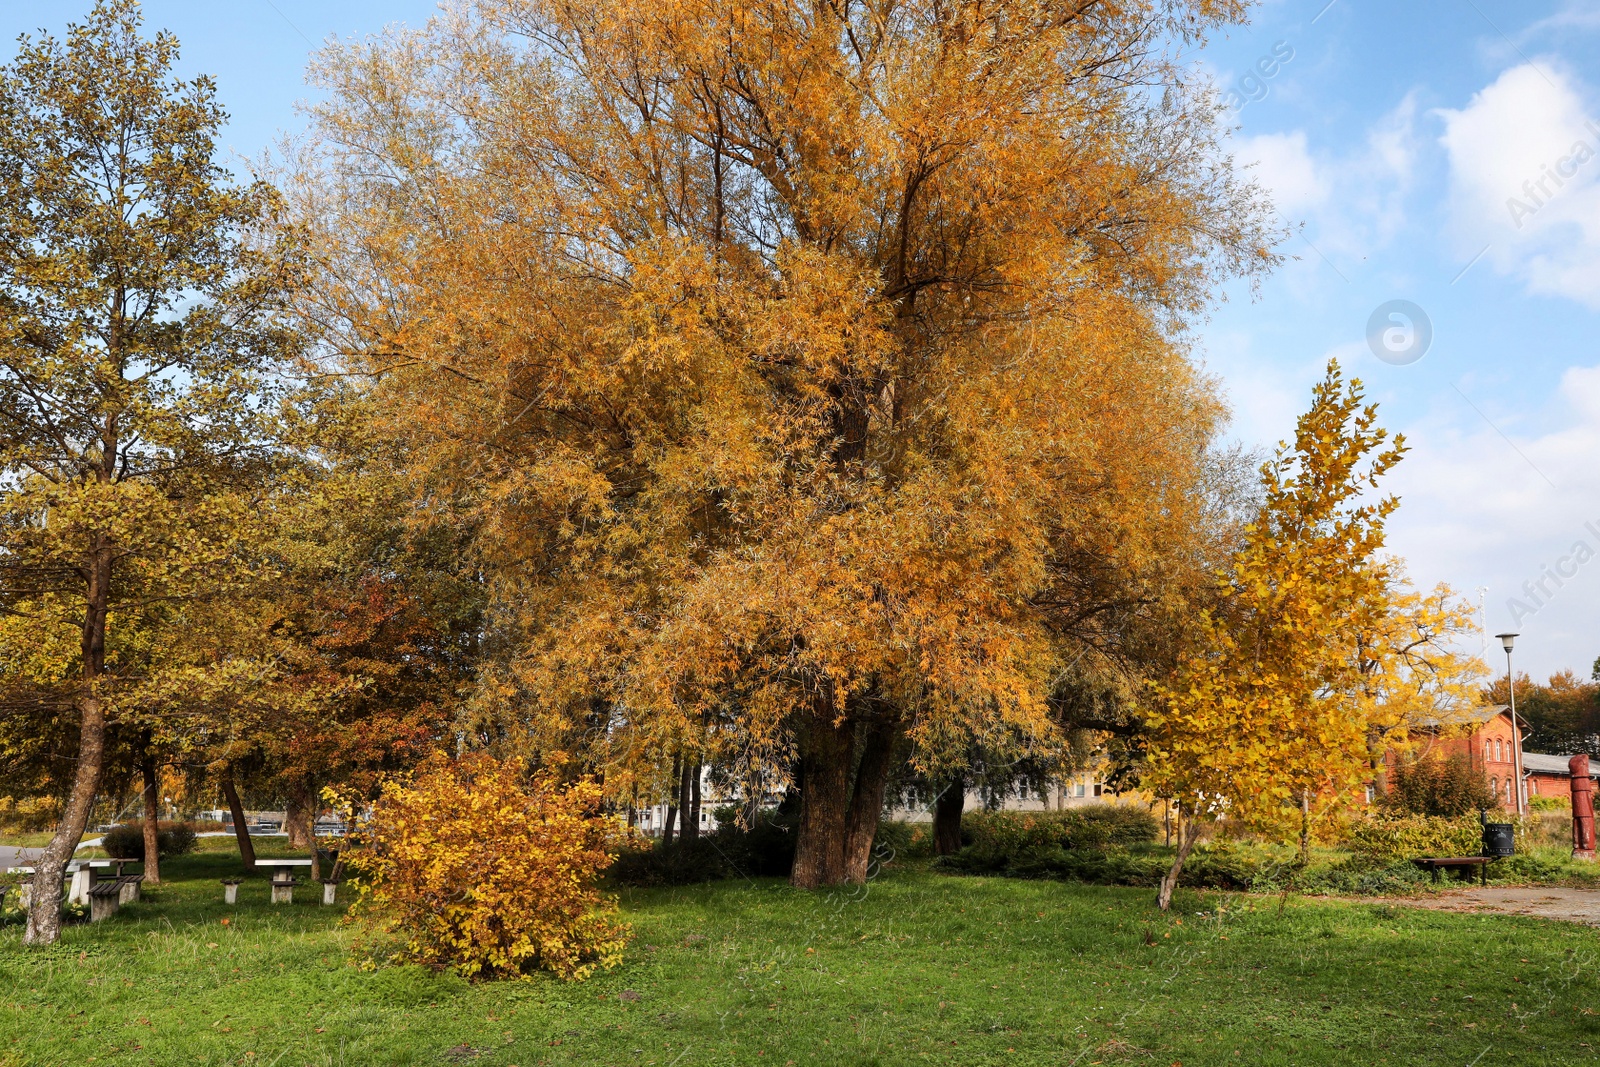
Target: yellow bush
x=477 y=869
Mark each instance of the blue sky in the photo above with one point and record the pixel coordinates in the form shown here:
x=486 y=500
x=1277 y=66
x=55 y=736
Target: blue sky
x=1393 y=137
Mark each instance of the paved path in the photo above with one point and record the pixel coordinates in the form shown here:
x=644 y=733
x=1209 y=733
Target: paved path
x=1553 y=902
x=12 y=856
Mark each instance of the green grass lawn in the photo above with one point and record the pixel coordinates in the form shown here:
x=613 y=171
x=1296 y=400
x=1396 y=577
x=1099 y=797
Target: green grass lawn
x=919 y=968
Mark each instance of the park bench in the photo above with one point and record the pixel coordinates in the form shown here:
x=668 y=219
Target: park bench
x=1435 y=864
x=230 y=890
x=104 y=899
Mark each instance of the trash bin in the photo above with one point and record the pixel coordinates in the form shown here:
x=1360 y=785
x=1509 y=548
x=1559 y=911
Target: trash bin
x=1499 y=839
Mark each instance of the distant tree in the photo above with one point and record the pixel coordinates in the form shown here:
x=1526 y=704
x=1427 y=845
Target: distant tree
x=137 y=339
x=1562 y=716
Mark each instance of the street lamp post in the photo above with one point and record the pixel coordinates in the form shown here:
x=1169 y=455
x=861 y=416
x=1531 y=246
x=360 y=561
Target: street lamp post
x=1506 y=641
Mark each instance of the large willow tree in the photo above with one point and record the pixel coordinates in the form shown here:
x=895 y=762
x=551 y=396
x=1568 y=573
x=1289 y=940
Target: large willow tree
x=810 y=372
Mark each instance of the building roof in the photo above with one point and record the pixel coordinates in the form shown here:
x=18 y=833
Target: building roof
x=1471 y=717
x=1541 y=763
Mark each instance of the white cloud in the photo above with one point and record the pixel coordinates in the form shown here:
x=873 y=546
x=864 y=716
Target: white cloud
x=1351 y=204
x=1525 y=180
x=1499 y=506
x=1283 y=167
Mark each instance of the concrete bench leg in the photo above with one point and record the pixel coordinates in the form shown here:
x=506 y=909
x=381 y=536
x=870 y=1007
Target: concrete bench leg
x=329 y=889
x=282 y=892
x=25 y=896
x=102 y=906
x=129 y=893
x=230 y=892
x=82 y=883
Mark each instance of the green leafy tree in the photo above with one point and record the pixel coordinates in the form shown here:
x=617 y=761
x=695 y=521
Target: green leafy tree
x=137 y=343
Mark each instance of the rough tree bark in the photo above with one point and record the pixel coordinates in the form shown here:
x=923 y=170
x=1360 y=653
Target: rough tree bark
x=1188 y=837
x=44 y=913
x=152 y=821
x=866 y=805
x=947 y=811
x=299 y=815
x=840 y=802
x=825 y=755
x=247 y=850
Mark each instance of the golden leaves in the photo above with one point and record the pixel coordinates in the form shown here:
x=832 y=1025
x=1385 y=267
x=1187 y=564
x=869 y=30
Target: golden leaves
x=479 y=870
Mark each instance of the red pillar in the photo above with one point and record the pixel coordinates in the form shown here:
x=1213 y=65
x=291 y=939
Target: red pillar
x=1582 y=809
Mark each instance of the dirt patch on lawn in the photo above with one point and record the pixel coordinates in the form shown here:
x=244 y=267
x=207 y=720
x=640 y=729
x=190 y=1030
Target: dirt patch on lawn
x=1540 y=902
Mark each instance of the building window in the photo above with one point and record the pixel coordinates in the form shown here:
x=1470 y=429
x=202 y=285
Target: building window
x=1508 y=791
x=1079 y=792
x=1494 y=786
x=1488 y=751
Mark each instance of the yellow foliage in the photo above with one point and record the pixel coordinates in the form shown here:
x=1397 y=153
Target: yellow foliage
x=1316 y=656
x=480 y=870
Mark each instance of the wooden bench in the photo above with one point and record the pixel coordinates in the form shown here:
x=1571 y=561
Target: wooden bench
x=1435 y=864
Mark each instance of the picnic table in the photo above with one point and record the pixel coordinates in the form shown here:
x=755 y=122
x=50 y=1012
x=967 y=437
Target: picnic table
x=83 y=879
x=283 y=878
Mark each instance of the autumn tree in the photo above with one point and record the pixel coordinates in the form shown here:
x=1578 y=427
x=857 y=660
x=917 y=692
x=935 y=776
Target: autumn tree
x=1269 y=719
x=813 y=375
x=136 y=337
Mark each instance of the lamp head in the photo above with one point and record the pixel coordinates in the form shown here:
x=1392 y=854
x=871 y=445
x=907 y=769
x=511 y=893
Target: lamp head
x=1506 y=641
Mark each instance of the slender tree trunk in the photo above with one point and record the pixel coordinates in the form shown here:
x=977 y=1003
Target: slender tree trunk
x=247 y=850
x=947 y=817
x=826 y=755
x=44 y=914
x=1305 y=827
x=694 y=799
x=152 y=821
x=691 y=828
x=1188 y=836
x=866 y=801
x=672 y=804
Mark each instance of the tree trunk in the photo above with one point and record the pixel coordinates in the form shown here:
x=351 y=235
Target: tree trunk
x=947 y=817
x=299 y=815
x=247 y=850
x=1305 y=827
x=152 y=824
x=1188 y=835
x=827 y=750
x=44 y=913
x=866 y=801
x=672 y=804
x=694 y=797
x=687 y=786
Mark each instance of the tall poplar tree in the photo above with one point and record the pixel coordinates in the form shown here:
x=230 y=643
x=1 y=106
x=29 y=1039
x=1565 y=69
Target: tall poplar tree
x=137 y=340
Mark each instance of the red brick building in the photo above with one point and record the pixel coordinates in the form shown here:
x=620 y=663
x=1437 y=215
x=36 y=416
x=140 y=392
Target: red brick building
x=1488 y=746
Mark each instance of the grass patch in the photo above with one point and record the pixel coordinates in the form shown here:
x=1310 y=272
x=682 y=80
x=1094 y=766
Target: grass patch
x=919 y=968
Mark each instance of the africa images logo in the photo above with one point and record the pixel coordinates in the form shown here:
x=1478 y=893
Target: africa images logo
x=1399 y=332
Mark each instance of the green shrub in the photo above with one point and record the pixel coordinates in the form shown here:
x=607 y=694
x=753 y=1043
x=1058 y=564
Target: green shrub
x=1547 y=803
x=765 y=850
x=126 y=842
x=999 y=837
x=1384 y=839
